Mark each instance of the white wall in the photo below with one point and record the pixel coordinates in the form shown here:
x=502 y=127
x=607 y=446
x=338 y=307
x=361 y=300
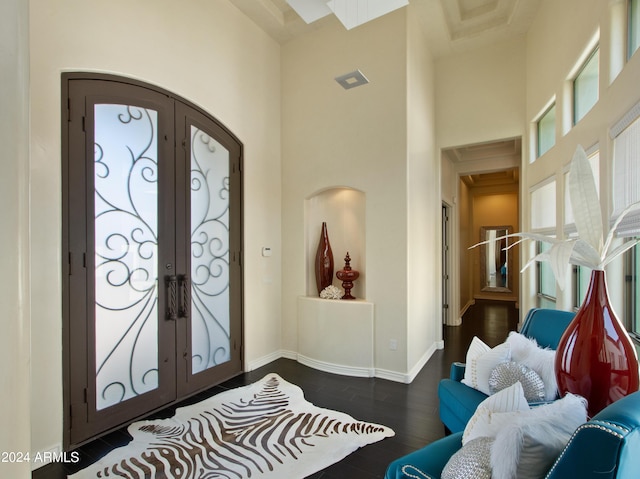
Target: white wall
x=424 y=265
x=14 y=235
x=207 y=52
x=553 y=52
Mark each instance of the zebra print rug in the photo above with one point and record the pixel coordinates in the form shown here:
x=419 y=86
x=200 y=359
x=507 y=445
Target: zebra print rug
x=264 y=430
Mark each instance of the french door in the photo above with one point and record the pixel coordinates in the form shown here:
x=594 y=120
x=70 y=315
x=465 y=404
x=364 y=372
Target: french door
x=152 y=299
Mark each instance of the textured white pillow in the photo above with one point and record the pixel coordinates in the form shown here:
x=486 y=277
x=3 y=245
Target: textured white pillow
x=490 y=416
x=530 y=441
x=526 y=351
x=507 y=374
x=481 y=360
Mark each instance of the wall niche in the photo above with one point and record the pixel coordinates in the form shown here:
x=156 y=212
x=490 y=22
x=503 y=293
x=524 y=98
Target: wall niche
x=343 y=209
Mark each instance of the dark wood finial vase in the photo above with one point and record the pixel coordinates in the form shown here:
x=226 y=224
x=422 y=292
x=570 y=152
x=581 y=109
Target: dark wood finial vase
x=324 y=261
x=347 y=275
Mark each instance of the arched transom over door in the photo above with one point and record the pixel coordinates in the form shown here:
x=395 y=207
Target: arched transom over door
x=152 y=235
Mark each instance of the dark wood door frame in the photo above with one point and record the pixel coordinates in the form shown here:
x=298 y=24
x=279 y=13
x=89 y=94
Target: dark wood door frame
x=82 y=421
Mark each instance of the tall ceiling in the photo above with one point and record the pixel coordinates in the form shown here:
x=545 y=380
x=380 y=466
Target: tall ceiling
x=450 y=25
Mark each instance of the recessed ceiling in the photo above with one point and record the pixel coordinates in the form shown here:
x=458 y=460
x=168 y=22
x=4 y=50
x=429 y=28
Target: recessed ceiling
x=487 y=164
x=496 y=178
x=450 y=25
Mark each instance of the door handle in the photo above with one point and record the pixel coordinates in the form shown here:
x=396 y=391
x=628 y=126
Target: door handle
x=172 y=297
x=185 y=296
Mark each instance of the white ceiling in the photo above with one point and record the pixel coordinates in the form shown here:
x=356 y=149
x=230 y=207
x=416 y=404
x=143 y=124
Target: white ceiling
x=450 y=25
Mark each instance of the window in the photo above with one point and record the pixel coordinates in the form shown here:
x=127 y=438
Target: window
x=546 y=131
x=626 y=170
x=543 y=220
x=581 y=274
x=634 y=26
x=581 y=280
x=626 y=178
x=543 y=208
x=585 y=87
x=593 y=155
x=546 y=281
x=632 y=292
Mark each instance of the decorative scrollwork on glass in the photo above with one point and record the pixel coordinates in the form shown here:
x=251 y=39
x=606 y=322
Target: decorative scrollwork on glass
x=209 y=252
x=126 y=250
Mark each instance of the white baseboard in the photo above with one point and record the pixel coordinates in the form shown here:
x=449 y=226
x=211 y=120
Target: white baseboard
x=458 y=321
x=408 y=377
x=289 y=354
x=360 y=372
x=423 y=361
x=269 y=358
x=392 y=376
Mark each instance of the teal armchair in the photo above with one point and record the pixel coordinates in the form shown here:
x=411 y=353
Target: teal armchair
x=606 y=447
x=458 y=402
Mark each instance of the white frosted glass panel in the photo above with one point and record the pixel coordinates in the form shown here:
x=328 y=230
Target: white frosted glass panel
x=543 y=207
x=126 y=274
x=626 y=177
x=546 y=280
x=594 y=161
x=209 y=252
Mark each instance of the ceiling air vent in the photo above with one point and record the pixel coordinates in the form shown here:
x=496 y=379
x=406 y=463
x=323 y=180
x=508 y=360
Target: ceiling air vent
x=352 y=80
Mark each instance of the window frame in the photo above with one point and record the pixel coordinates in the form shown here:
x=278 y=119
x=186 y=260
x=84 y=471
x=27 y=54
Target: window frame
x=543 y=116
x=544 y=299
x=574 y=86
x=631 y=300
x=580 y=287
x=633 y=29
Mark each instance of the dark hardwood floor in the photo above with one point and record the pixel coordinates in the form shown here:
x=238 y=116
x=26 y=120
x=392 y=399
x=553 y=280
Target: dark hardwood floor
x=411 y=410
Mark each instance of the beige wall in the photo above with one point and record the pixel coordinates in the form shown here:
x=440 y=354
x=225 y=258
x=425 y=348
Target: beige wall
x=548 y=76
x=424 y=266
x=354 y=138
x=14 y=235
x=207 y=52
x=480 y=98
x=481 y=94
x=359 y=138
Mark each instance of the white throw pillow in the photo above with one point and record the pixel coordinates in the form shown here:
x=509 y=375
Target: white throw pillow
x=481 y=359
x=530 y=441
x=490 y=416
x=526 y=351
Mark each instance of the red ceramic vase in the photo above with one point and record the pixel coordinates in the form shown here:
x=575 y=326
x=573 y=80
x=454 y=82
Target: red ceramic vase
x=347 y=275
x=595 y=358
x=324 y=261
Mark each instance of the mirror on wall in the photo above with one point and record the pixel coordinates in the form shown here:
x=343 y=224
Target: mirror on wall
x=495 y=261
